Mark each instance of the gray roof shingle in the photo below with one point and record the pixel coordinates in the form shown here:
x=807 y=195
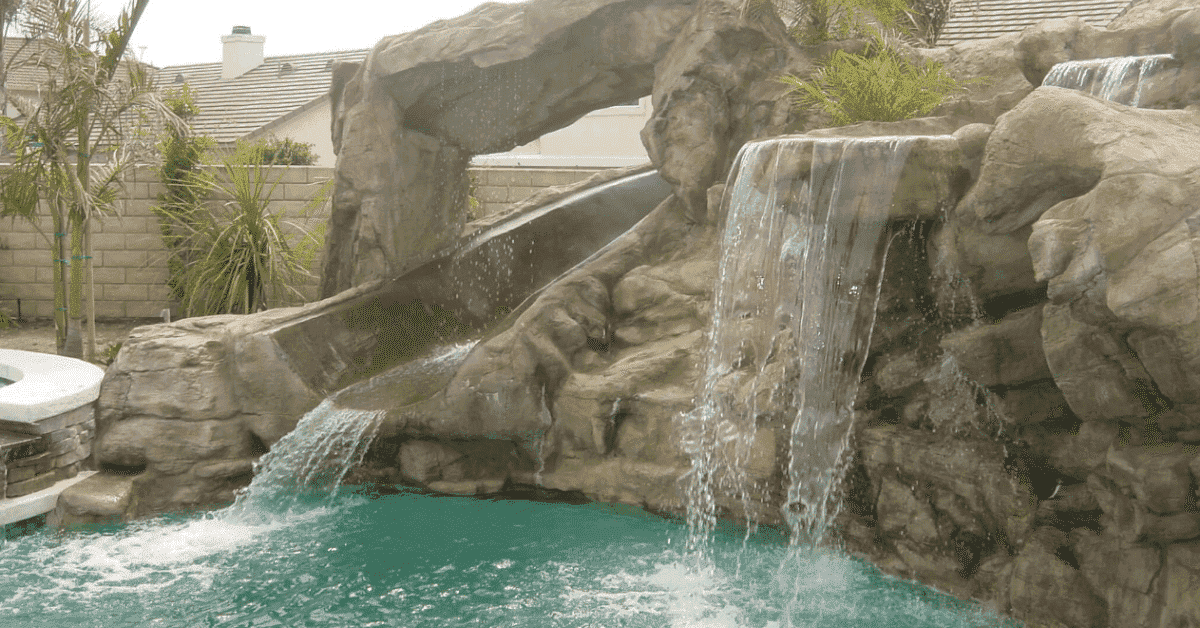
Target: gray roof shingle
x=23 y=74
x=238 y=107
x=987 y=19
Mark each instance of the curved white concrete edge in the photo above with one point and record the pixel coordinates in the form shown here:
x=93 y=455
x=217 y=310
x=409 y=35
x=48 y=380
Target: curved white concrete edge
x=45 y=385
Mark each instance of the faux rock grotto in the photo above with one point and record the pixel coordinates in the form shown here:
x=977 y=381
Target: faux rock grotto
x=1026 y=430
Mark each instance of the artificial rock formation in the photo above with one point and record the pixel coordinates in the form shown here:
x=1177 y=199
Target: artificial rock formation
x=1028 y=417
x=590 y=379
x=1083 y=455
x=1159 y=27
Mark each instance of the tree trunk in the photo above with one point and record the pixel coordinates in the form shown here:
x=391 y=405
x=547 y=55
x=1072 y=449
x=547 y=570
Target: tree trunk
x=58 y=257
x=89 y=353
x=74 y=346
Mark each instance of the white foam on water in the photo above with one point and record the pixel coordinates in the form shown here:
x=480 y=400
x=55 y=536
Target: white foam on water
x=140 y=558
x=666 y=589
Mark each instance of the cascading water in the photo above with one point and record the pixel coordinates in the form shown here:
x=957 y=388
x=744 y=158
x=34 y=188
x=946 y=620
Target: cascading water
x=1119 y=79
x=803 y=248
x=330 y=439
x=313 y=458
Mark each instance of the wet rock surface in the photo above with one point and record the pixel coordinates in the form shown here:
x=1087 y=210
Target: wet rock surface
x=1072 y=367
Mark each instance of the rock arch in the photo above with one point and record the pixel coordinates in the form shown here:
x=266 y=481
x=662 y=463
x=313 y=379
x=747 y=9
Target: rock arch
x=409 y=118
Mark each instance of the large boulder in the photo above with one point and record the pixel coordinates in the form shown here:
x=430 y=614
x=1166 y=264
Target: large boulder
x=187 y=407
x=1105 y=188
x=990 y=74
x=714 y=90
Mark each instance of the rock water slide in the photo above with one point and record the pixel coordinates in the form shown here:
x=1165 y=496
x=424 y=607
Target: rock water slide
x=189 y=406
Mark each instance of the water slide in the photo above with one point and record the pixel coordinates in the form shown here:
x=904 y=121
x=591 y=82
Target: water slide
x=371 y=328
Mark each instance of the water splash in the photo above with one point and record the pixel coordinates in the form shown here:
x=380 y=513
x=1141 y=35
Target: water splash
x=314 y=457
x=793 y=309
x=1119 y=79
x=333 y=438
x=424 y=561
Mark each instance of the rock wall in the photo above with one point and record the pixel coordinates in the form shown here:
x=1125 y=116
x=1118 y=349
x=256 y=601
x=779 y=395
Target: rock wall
x=1023 y=422
x=1030 y=442
x=186 y=408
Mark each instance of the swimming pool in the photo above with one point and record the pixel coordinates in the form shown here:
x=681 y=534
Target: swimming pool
x=420 y=560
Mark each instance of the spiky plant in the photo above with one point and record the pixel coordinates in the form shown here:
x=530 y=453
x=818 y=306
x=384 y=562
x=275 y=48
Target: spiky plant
x=880 y=85
x=239 y=255
x=815 y=21
x=927 y=18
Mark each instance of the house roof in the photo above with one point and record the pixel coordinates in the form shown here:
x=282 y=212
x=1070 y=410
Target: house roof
x=26 y=71
x=238 y=107
x=23 y=74
x=987 y=19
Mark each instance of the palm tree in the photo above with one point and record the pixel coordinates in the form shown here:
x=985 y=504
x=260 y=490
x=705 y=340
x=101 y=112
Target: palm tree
x=72 y=144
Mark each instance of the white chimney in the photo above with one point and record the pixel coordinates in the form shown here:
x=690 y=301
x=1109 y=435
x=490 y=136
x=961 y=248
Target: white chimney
x=241 y=52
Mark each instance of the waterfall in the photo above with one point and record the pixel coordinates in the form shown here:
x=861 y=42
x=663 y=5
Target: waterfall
x=314 y=457
x=1119 y=79
x=794 y=303
x=333 y=438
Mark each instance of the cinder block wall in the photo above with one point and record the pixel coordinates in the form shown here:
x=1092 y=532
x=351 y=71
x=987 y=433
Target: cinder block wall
x=130 y=260
x=497 y=187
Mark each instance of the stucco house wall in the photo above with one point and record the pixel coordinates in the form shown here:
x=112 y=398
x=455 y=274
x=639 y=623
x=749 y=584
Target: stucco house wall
x=309 y=125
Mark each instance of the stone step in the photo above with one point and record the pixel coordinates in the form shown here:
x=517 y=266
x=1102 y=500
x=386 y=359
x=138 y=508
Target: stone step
x=30 y=483
x=37 y=503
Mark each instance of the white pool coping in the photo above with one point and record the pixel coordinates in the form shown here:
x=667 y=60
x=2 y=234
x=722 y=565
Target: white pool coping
x=37 y=503
x=45 y=385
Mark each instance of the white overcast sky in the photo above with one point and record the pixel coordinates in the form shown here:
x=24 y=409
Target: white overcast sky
x=178 y=31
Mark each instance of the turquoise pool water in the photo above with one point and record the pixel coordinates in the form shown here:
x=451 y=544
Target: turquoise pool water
x=418 y=560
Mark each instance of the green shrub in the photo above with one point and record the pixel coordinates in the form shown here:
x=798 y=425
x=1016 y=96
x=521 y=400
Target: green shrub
x=274 y=151
x=927 y=18
x=237 y=256
x=186 y=185
x=109 y=354
x=880 y=85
